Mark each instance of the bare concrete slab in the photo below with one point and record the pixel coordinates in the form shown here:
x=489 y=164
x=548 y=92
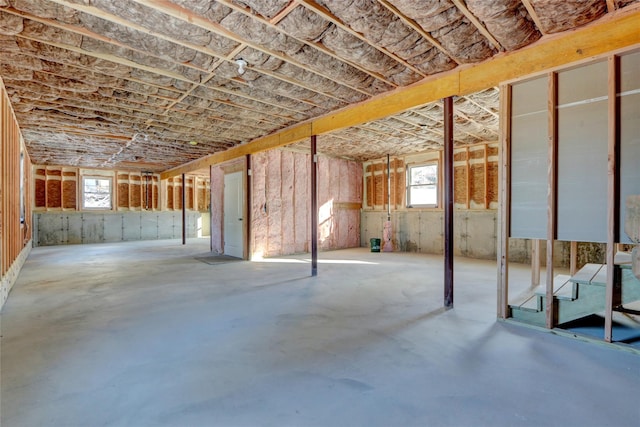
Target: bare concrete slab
x=143 y=334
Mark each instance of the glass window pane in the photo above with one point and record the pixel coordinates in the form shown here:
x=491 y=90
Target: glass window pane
x=424 y=174
x=97 y=193
x=423 y=185
x=424 y=195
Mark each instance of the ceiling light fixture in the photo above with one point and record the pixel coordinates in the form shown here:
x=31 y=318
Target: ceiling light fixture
x=242 y=65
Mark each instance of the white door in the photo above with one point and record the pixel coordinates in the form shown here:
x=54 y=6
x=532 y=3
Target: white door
x=233 y=215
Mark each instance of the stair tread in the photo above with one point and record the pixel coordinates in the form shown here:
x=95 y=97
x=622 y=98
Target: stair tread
x=562 y=288
x=586 y=274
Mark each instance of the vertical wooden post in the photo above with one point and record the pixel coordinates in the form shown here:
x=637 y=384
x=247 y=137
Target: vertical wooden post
x=314 y=206
x=552 y=175
x=573 y=258
x=535 y=262
x=448 y=202
x=613 y=193
x=184 y=210
x=504 y=196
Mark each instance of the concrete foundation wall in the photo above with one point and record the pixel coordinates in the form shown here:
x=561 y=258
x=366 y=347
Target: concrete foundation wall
x=474 y=237
x=422 y=231
x=60 y=228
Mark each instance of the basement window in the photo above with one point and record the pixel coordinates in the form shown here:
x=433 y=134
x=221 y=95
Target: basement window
x=422 y=186
x=96 y=193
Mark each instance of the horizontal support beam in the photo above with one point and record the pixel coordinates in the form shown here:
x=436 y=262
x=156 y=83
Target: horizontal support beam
x=609 y=34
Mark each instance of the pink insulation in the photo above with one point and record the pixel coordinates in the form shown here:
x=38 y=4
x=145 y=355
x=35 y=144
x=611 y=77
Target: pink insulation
x=280 y=216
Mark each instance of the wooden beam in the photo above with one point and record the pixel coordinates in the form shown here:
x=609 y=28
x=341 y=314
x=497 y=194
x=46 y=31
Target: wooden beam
x=186 y=15
x=613 y=193
x=462 y=7
x=329 y=16
x=448 y=202
x=504 y=195
x=534 y=15
x=92 y=10
x=284 y=12
x=607 y=34
x=416 y=27
x=552 y=186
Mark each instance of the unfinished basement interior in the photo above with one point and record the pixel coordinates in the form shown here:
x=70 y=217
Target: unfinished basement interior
x=319 y=212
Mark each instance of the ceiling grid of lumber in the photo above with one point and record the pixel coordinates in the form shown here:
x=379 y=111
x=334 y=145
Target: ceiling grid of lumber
x=154 y=85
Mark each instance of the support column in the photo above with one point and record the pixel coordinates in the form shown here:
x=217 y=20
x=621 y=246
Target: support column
x=613 y=199
x=211 y=208
x=184 y=210
x=552 y=176
x=247 y=213
x=505 y=201
x=448 y=202
x=314 y=207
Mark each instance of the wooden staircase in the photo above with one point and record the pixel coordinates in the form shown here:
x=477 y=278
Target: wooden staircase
x=577 y=296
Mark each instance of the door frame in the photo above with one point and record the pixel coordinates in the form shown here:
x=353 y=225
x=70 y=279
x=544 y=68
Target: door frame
x=232 y=167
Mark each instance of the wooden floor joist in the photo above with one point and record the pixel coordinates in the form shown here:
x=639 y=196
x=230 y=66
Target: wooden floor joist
x=607 y=35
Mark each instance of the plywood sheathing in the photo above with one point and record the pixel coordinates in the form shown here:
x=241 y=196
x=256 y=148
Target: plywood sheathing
x=127 y=85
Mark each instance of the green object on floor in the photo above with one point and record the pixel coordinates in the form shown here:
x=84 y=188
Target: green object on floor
x=375 y=245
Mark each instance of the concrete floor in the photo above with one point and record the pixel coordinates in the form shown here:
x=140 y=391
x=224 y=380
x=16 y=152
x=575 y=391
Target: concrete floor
x=143 y=334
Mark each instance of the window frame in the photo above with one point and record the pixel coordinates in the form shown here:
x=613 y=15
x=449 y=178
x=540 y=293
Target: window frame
x=84 y=193
x=410 y=186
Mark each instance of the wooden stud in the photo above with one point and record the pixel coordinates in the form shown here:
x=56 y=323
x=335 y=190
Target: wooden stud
x=613 y=192
x=534 y=16
x=552 y=175
x=462 y=7
x=535 y=262
x=448 y=202
x=504 y=195
x=573 y=258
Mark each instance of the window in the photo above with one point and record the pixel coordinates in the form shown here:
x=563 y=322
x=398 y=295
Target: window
x=422 y=187
x=96 y=193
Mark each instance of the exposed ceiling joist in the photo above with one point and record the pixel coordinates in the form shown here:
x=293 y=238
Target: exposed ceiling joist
x=609 y=34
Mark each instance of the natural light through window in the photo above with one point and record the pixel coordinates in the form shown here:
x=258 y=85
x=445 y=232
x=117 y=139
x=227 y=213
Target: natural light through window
x=96 y=193
x=422 y=186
